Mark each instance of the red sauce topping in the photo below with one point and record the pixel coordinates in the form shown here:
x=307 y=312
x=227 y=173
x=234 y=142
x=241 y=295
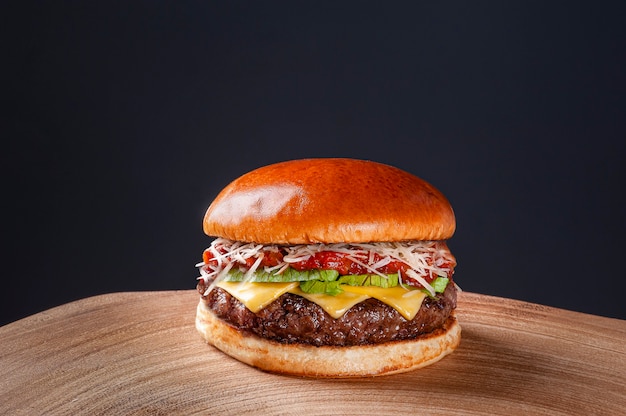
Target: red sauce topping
x=332 y=260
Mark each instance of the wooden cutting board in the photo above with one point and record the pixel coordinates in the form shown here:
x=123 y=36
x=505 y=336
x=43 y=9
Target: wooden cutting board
x=139 y=353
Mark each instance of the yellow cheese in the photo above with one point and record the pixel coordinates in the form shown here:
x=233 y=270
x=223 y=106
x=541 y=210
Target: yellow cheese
x=335 y=306
x=257 y=296
x=406 y=302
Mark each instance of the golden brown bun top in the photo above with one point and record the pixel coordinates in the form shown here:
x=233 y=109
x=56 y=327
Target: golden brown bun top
x=329 y=201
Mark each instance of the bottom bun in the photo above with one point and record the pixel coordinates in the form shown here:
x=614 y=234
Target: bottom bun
x=328 y=361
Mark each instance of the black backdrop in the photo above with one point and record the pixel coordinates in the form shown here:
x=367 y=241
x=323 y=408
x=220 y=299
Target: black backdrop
x=122 y=120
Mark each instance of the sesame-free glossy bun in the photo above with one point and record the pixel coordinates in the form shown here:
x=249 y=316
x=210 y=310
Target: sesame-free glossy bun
x=329 y=201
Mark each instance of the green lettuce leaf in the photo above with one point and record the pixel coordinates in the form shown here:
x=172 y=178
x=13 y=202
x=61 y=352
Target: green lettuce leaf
x=289 y=275
x=370 y=280
x=326 y=281
x=317 y=286
x=439 y=284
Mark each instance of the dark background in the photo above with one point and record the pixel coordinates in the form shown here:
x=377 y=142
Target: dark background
x=122 y=120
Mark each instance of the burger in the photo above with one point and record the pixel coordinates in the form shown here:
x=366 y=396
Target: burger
x=329 y=268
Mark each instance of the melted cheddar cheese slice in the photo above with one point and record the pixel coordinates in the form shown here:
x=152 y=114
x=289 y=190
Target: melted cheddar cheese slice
x=256 y=296
x=406 y=302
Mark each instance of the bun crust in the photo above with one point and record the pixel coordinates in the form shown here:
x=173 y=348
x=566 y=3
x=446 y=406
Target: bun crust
x=329 y=201
x=329 y=362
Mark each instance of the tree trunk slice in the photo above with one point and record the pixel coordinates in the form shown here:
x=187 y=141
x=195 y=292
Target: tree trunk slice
x=139 y=353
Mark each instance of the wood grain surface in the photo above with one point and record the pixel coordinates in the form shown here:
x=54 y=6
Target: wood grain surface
x=139 y=353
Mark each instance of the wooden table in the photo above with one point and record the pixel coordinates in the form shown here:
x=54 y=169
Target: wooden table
x=139 y=353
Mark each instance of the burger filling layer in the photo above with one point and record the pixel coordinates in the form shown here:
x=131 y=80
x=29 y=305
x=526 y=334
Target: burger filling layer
x=292 y=319
x=330 y=294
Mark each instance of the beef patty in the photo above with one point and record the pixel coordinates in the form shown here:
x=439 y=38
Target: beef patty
x=294 y=319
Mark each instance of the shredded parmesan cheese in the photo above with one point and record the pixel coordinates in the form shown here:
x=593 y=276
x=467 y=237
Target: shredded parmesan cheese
x=422 y=257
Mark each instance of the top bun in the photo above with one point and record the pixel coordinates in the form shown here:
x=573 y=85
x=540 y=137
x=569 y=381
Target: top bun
x=329 y=201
